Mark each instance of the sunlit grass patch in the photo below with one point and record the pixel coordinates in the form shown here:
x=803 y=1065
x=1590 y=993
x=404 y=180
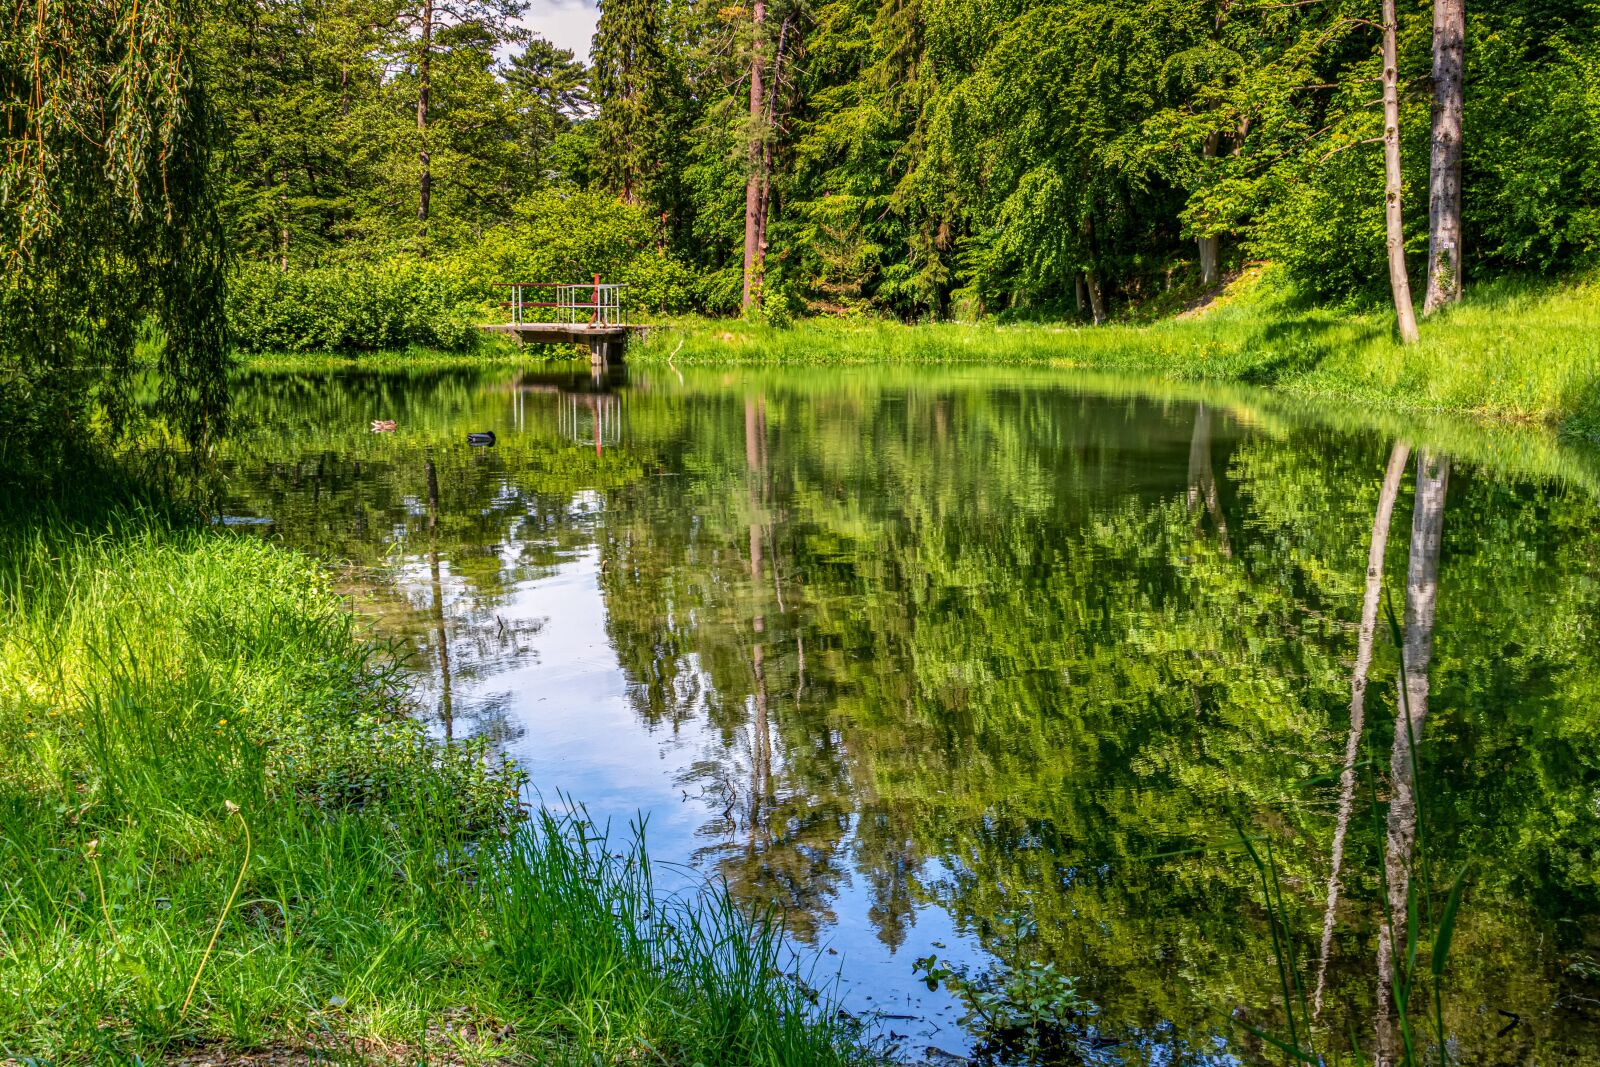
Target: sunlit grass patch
x=1512 y=349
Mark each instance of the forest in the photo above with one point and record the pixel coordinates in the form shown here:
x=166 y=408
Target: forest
x=346 y=176
x=917 y=158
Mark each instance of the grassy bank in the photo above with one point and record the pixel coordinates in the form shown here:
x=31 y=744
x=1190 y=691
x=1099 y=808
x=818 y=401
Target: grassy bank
x=219 y=831
x=1511 y=350
x=491 y=351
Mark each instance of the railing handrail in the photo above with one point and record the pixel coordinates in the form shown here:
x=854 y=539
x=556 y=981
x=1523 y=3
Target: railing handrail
x=606 y=305
x=563 y=285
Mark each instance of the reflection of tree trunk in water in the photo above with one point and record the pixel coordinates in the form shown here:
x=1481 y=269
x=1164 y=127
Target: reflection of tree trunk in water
x=1203 y=478
x=1422 y=587
x=1358 y=693
x=446 y=710
x=755 y=454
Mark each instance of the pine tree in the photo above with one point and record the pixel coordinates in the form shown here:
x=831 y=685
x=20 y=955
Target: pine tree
x=630 y=65
x=430 y=21
x=551 y=90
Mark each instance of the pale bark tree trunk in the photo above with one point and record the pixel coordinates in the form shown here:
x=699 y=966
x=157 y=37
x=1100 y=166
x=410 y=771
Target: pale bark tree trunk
x=1444 y=172
x=1393 y=217
x=1358 y=694
x=424 y=90
x=1097 y=300
x=1210 y=253
x=1091 y=277
x=755 y=179
x=1210 y=247
x=1422 y=588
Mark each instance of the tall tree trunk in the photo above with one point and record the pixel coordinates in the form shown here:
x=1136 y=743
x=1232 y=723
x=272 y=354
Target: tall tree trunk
x=279 y=180
x=1358 y=694
x=1444 y=171
x=1091 y=276
x=1210 y=247
x=1422 y=588
x=424 y=89
x=768 y=128
x=1097 y=300
x=1393 y=218
x=755 y=179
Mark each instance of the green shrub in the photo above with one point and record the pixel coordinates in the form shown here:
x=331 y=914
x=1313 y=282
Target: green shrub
x=402 y=301
x=393 y=303
x=570 y=236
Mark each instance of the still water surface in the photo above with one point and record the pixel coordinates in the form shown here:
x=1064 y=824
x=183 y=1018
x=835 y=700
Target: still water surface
x=997 y=668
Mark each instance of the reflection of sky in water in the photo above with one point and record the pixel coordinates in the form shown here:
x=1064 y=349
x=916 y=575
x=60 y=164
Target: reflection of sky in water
x=579 y=736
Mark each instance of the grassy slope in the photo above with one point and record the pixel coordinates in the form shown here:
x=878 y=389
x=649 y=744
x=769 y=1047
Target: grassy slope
x=150 y=677
x=1511 y=350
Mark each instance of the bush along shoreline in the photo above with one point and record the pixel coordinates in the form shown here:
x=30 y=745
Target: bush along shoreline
x=221 y=833
x=396 y=299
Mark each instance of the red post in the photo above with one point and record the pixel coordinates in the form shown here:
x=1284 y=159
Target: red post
x=597 y=299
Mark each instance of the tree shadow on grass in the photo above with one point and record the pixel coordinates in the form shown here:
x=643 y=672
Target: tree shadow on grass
x=1285 y=349
x=1584 y=422
x=88 y=488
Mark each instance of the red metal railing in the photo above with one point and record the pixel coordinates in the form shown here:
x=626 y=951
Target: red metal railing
x=602 y=308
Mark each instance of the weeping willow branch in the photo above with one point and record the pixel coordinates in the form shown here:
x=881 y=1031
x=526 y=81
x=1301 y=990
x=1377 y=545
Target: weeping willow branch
x=108 y=219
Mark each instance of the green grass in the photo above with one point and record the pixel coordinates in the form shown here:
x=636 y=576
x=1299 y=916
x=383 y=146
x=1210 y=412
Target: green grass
x=1511 y=350
x=390 y=907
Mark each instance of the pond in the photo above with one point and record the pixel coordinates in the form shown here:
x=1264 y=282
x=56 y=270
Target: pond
x=1042 y=677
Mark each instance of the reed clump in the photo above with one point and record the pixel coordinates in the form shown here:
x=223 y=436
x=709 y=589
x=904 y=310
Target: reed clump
x=220 y=829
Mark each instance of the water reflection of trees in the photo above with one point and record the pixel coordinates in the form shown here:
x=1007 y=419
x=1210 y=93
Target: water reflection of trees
x=440 y=535
x=1031 y=656
x=995 y=649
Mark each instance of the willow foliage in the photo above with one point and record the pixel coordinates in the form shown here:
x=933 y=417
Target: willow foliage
x=107 y=220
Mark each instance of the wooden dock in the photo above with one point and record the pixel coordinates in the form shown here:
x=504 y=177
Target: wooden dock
x=586 y=314
x=566 y=333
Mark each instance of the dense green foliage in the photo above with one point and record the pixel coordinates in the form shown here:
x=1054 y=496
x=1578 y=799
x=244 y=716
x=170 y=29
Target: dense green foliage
x=180 y=708
x=403 y=300
x=952 y=158
x=395 y=303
